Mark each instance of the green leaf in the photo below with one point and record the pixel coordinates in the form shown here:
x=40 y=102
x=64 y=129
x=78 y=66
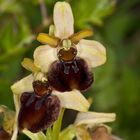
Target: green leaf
x=93 y=11
x=11 y=6
x=16 y=52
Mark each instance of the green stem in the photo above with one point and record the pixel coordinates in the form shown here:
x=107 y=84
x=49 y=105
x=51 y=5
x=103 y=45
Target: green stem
x=57 y=125
x=49 y=133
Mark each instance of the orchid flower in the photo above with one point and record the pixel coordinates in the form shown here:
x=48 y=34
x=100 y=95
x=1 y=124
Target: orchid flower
x=37 y=105
x=67 y=58
x=87 y=122
x=61 y=69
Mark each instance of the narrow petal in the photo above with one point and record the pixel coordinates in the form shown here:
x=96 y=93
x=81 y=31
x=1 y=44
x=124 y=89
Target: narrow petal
x=92 y=51
x=94 y=118
x=73 y=100
x=28 y=64
x=44 y=56
x=23 y=85
x=63 y=20
x=75 y=38
x=47 y=39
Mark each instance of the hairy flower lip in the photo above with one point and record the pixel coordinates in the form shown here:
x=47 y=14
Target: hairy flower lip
x=64 y=76
x=38 y=112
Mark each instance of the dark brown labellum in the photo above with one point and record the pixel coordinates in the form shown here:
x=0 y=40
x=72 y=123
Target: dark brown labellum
x=4 y=135
x=66 y=76
x=38 y=112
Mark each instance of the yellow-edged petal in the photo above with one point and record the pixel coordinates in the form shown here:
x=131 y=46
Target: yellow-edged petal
x=73 y=100
x=63 y=20
x=23 y=85
x=92 y=51
x=43 y=57
x=94 y=118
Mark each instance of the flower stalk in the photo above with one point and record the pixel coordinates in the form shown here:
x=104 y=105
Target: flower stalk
x=57 y=125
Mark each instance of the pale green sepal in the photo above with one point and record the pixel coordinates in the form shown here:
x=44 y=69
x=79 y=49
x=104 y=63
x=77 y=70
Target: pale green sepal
x=73 y=100
x=94 y=118
x=34 y=136
x=68 y=133
x=23 y=85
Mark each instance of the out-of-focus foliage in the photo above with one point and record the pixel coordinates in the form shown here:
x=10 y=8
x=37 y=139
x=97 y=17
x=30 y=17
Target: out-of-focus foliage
x=116 y=25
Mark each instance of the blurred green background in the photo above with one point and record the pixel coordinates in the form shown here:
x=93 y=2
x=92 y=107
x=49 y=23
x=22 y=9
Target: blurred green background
x=115 y=23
